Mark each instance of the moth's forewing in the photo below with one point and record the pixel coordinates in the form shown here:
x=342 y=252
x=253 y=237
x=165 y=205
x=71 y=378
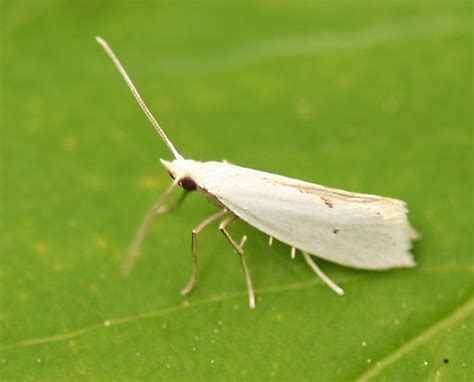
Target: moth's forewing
x=353 y=229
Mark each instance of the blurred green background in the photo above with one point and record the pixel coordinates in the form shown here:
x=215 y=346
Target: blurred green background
x=366 y=96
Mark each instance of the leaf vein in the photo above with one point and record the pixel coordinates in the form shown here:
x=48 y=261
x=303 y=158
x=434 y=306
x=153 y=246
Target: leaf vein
x=458 y=314
x=163 y=312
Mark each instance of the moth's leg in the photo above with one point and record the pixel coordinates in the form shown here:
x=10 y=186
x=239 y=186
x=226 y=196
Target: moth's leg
x=240 y=252
x=189 y=287
x=175 y=205
x=293 y=252
x=134 y=249
x=331 y=284
x=270 y=240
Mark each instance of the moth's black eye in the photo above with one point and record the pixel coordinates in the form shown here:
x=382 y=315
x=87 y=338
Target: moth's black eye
x=188 y=184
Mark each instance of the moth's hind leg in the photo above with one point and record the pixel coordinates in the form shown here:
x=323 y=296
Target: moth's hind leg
x=331 y=284
x=293 y=253
x=240 y=252
x=189 y=287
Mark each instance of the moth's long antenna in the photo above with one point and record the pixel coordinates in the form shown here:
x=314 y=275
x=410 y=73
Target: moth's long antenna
x=139 y=99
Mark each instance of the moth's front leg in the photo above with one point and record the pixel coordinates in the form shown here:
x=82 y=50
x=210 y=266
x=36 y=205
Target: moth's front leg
x=170 y=208
x=134 y=249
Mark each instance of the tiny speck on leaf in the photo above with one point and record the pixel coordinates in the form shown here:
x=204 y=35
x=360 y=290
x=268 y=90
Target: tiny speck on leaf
x=446 y=360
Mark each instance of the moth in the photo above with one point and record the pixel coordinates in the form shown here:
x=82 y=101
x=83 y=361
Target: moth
x=351 y=229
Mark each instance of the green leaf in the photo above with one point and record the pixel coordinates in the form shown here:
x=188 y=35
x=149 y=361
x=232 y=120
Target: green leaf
x=367 y=97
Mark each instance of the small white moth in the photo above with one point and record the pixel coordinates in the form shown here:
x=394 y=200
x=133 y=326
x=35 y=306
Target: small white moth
x=356 y=230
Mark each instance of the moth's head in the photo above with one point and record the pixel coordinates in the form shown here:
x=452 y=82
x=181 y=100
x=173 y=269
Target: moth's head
x=181 y=169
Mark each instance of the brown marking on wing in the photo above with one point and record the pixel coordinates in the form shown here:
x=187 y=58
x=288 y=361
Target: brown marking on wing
x=327 y=201
x=325 y=192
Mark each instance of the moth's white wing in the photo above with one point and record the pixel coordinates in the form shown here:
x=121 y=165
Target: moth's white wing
x=355 y=230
